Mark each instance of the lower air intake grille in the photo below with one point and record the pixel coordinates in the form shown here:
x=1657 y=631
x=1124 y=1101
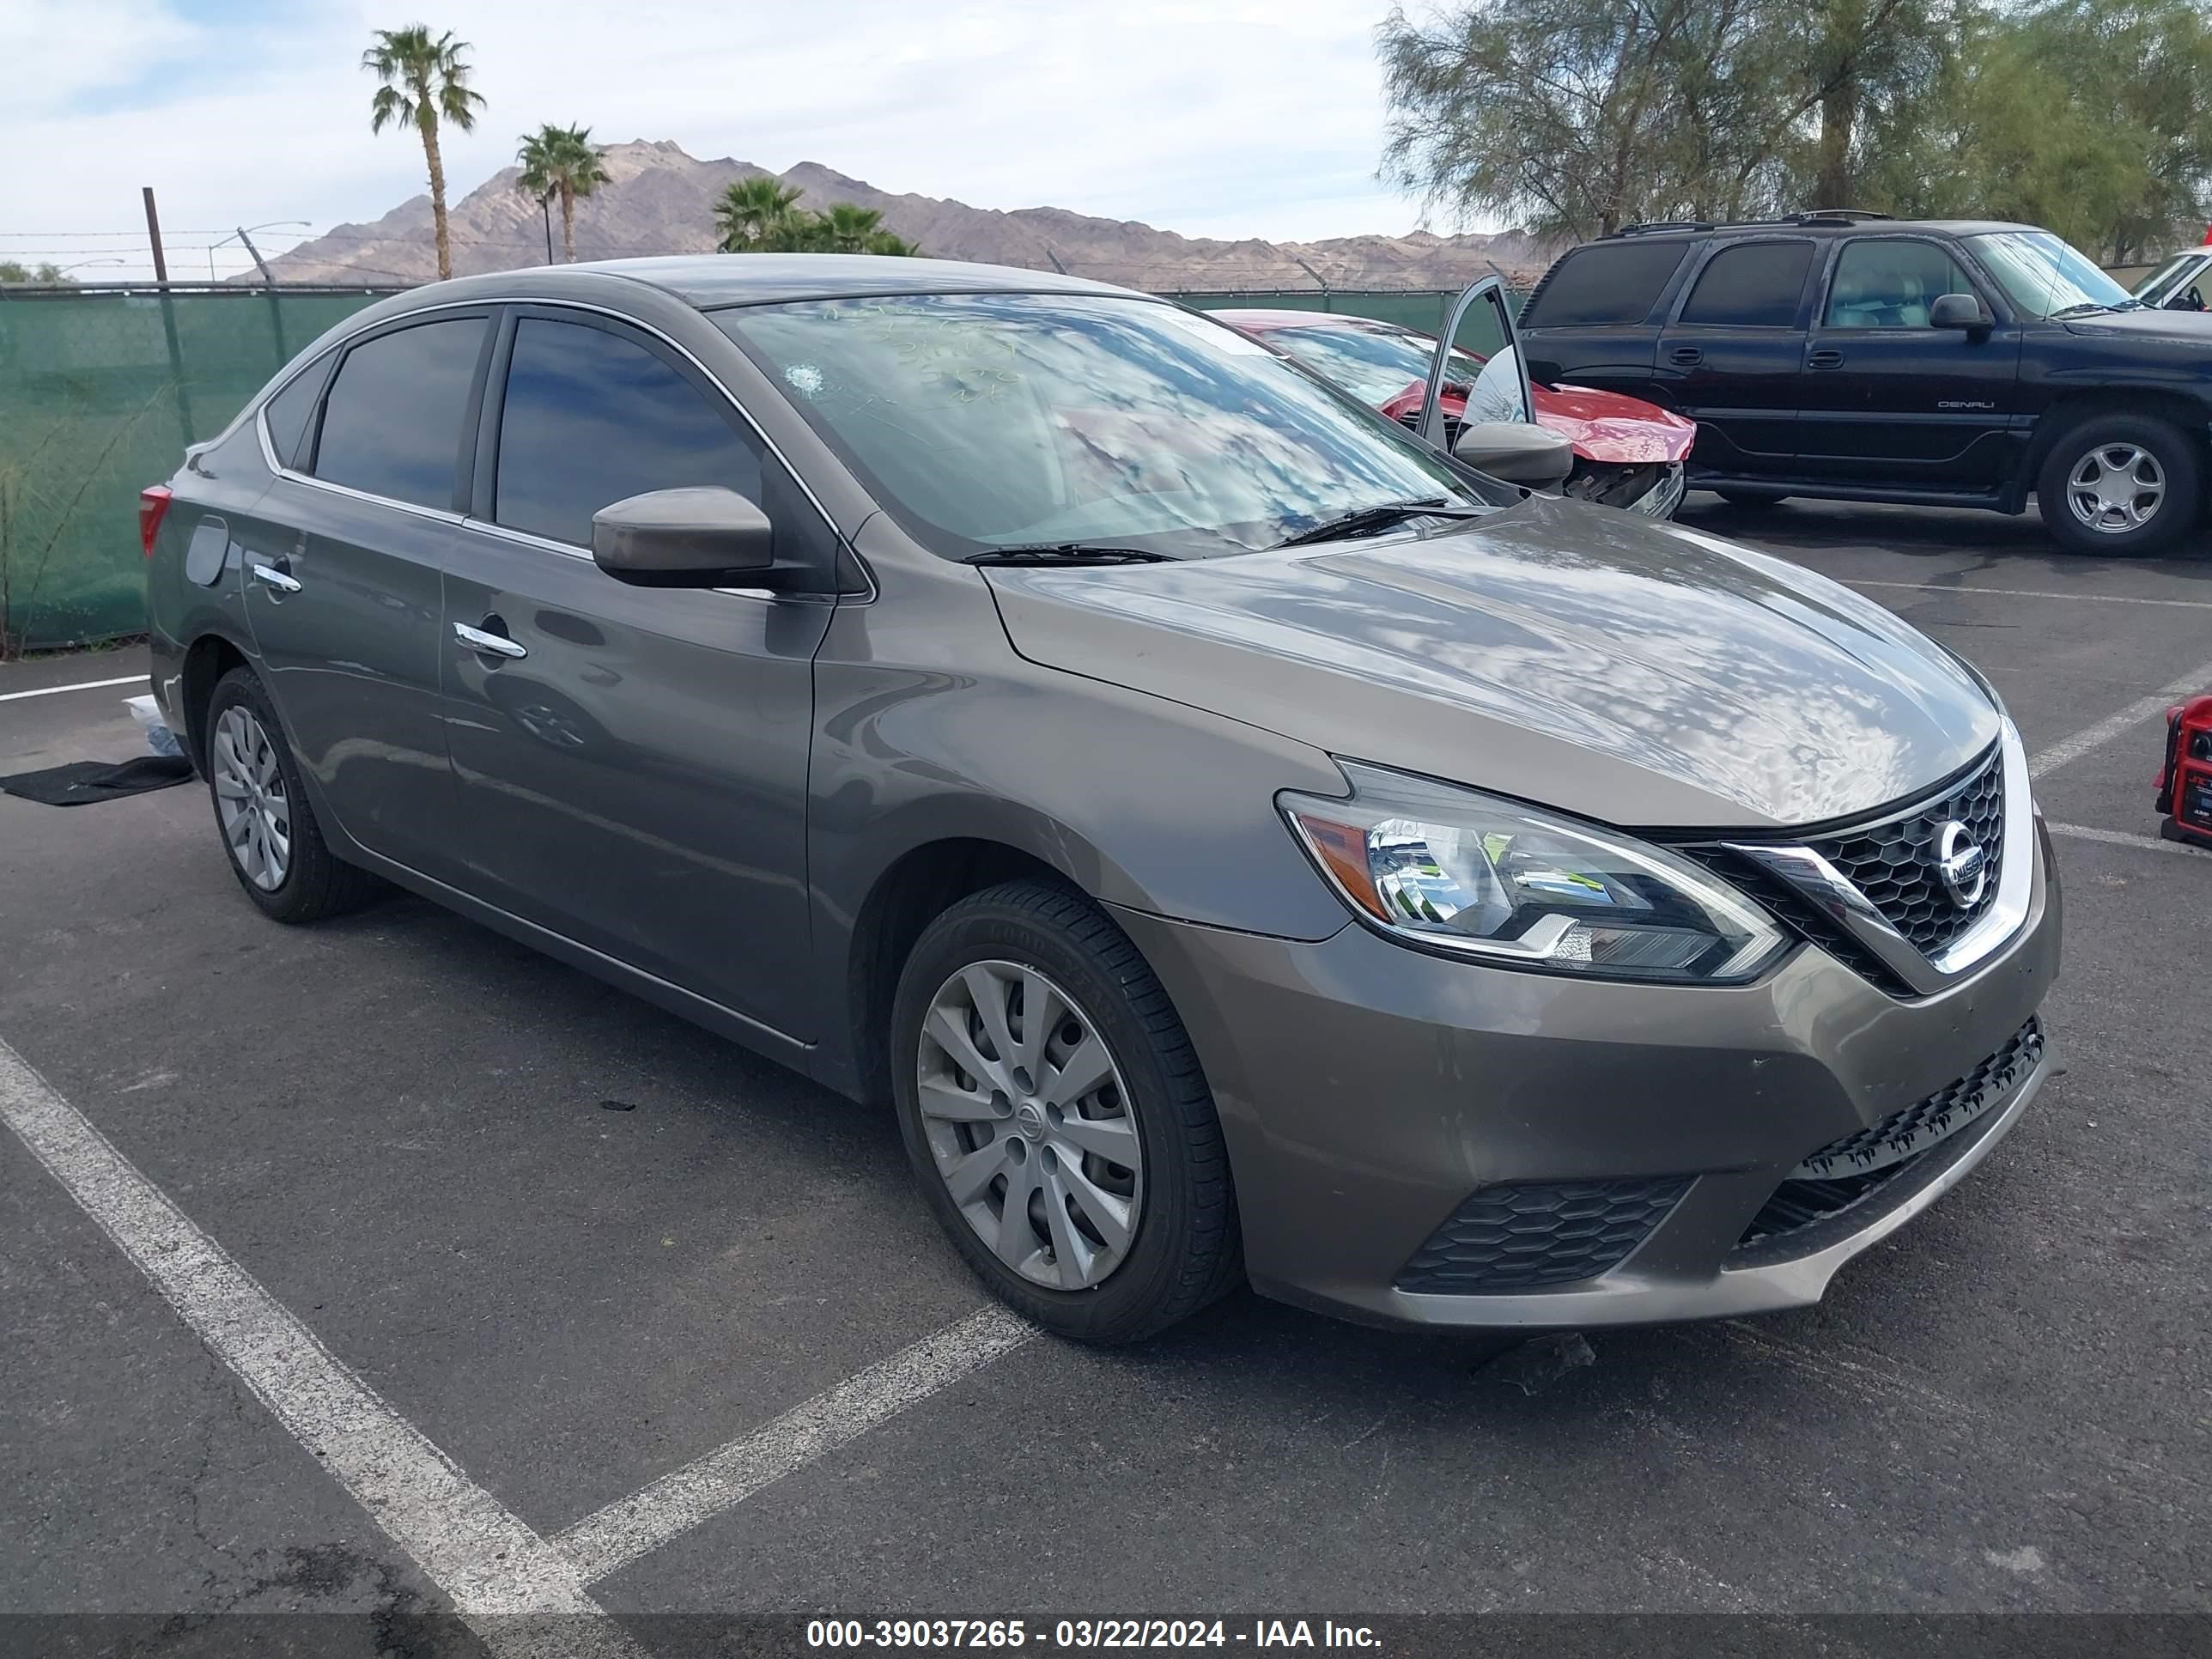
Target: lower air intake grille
x=1849 y=1170
x=1531 y=1233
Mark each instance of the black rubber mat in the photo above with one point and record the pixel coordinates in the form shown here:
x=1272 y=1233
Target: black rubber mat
x=82 y=782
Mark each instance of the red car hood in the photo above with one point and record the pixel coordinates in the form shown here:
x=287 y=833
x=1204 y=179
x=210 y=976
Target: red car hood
x=1602 y=426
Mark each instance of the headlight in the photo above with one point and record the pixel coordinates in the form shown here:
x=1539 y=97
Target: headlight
x=1465 y=872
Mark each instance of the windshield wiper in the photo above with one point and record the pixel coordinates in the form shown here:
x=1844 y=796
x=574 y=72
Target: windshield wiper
x=1068 y=553
x=2089 y=308
x=1380 y=516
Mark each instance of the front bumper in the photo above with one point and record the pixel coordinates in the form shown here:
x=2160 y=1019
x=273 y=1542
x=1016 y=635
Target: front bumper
x=1367 y=1090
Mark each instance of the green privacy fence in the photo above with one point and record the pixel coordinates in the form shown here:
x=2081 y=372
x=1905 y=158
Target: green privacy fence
x=101 y=391
x=99 y=394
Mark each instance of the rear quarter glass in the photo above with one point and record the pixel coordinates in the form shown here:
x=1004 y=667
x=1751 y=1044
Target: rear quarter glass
x=1605 y=282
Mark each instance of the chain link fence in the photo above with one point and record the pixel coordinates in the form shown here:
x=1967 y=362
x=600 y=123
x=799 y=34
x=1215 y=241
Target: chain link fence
x=101 y=391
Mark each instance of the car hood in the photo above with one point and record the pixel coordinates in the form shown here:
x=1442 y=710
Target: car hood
x=1629 y=671
x=2189 y=327
x=1602 y=426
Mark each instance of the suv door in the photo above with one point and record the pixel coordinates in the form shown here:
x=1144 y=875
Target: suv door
x=631 y=762
x=1887 y=399
x=1731 y=357
x=1595 y=318
x=343 y=578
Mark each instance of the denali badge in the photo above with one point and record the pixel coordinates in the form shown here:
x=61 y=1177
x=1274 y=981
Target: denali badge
x=1961 y=863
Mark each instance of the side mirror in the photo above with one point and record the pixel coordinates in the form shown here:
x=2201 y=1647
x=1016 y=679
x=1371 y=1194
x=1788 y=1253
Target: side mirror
x=1517 y=451
x=706 y=536
x=1960 y=311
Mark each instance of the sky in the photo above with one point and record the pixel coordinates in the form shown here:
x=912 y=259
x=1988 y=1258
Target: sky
x=1212 y=118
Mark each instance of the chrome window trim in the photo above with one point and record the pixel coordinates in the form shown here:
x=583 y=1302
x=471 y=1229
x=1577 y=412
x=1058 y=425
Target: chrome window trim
x=1826 y=888
x=269 y=452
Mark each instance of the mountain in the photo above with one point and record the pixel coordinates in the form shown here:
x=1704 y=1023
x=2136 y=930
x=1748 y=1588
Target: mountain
x=660 y=200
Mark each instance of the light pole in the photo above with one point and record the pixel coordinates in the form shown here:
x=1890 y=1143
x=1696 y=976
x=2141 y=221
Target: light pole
x=241 y=235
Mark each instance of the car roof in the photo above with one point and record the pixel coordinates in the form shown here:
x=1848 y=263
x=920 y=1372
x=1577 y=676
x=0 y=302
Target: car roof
x=1808 y=227
x=711 y=280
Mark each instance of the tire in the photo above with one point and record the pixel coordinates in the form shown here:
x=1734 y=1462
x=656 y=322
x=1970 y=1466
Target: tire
x=251 y=773
x=1749 y=498
x=1082 y=1278
x=2082 y=488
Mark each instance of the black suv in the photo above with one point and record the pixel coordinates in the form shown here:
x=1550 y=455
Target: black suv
x=1860 y=358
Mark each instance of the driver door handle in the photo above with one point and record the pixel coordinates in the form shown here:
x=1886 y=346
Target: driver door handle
x=496 y=645
x=1827 y=357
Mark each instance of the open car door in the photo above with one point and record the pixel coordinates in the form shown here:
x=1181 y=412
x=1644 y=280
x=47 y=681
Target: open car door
x=1498 y=433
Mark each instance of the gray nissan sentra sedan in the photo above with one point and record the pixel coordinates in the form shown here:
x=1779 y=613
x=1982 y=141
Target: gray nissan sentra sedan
x=1242 y=839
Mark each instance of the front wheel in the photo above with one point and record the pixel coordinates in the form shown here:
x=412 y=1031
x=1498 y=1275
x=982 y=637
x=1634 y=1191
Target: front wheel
x=1057 y=1118
x=2120 y=485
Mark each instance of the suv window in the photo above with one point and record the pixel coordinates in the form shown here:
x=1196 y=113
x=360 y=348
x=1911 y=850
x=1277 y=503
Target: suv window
x=591 y=417
x=391 y=424
x=1891 y=283
x=1607 y=283
x=1752 y=285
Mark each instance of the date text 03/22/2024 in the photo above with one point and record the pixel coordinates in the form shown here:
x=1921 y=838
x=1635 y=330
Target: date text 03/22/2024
x=1085 y=1633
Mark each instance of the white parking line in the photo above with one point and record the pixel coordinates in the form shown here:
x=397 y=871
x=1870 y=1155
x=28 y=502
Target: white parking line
x=723 y=1478
x=81 y=686
x=2032 y=593
x=507 y=1583
x=2121 y=838
x=2142 y=708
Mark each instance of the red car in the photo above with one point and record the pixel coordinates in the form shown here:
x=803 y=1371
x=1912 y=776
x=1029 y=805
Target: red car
x=1628 y=453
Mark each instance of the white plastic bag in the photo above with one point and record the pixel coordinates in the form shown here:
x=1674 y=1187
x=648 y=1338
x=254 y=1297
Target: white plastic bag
x=159 y=738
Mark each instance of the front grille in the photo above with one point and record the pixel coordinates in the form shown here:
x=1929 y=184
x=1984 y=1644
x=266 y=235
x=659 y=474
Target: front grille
x=1849 y=1170
x=1525 y=1234
x=1893 y=862
x=1801 y=917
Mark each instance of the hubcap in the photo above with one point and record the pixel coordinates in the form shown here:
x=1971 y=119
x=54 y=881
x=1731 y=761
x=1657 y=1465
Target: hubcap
x=2115 y=487
x=1029 y=1122
x=249 y=801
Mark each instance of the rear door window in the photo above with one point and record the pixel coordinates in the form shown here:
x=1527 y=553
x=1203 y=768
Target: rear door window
x=1885 y=282
x=591 y=417
x=1612 y=283
x=392 y=423
x=1750 y=285
x=289 y=410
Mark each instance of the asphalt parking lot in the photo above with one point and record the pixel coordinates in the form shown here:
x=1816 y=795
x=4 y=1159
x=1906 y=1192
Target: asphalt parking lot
x=566 y=1248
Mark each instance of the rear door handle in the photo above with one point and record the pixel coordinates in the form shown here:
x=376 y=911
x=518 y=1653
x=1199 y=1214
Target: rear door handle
x=276 y=579
x=1685 y=355
x=1827 y=357
x=496 y=645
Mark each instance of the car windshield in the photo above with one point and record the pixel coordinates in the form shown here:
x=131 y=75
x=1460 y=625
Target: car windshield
x=993 y=421
x=2046 y=277
x=1373 y=364
x=2153 y=288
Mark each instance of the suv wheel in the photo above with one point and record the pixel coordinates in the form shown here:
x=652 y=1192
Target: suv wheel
x=276 y=849
x=2119 y=484
x=1057 y=1118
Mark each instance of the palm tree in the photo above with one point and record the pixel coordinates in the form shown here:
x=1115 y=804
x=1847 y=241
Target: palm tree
x=561 y=161
x=424 y=81
x=755 y=212
x=847 y=227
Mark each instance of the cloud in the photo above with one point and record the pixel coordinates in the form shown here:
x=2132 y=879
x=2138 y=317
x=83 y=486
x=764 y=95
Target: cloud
x=1224 y=120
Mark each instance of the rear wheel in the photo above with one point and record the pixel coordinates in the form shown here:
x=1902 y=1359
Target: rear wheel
x=1057 y=1119
x=2120 y=485
x=269 y=831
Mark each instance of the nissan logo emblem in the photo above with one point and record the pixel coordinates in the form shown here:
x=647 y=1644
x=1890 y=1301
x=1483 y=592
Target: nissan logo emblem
x=1961 y=863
